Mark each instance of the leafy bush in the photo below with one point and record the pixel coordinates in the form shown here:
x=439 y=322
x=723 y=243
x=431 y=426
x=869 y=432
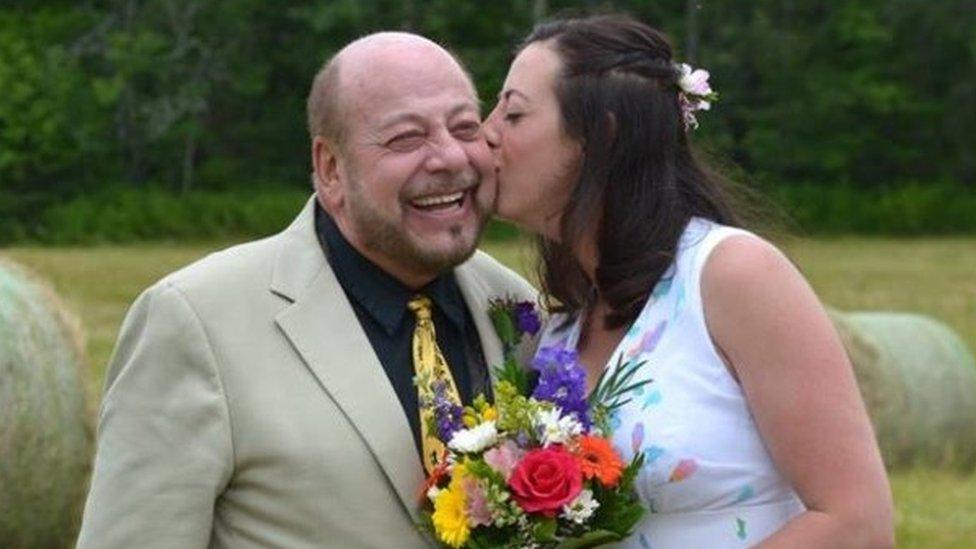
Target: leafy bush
x=912 y=209
x=126 y=214
x=122 y=215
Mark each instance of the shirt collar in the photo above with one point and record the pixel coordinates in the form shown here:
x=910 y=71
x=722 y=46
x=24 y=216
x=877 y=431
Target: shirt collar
x=384 y=297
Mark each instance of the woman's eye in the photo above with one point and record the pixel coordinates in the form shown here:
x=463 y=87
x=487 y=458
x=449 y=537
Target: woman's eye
x=513 y=117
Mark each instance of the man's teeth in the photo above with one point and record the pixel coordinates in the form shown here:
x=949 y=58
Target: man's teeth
x=438 y=200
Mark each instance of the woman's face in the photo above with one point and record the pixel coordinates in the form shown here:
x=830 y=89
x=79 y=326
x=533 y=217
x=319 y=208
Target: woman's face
x=536 y=161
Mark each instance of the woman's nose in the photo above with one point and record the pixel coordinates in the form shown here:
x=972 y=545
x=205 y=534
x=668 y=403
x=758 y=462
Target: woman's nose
x=491 y=131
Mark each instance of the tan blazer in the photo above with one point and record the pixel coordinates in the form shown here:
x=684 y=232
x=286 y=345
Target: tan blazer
x=244 y=407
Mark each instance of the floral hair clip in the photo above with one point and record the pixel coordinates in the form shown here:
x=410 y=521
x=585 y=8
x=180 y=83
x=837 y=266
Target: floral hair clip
x=695 y=93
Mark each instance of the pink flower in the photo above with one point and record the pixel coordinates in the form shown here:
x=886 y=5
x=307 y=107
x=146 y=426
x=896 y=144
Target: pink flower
x=503 y=458
x=477 y=510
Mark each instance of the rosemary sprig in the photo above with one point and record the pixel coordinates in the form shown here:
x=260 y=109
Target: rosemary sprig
x=610 y=389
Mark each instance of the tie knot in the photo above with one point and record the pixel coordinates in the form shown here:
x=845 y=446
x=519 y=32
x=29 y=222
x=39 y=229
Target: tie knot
x=420 y=305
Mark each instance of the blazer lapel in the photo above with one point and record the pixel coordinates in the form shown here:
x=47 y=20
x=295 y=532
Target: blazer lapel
x=476 y=296
x=324 y=330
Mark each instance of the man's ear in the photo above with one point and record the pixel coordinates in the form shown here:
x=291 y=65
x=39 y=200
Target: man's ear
x=327 y=173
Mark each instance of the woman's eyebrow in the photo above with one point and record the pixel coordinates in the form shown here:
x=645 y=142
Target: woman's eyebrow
x=506 y=94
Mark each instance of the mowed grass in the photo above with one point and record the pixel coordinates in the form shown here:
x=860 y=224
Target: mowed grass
x=931 y=276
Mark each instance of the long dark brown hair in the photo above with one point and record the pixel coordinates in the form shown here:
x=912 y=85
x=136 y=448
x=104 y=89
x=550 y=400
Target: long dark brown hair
x=639 y=181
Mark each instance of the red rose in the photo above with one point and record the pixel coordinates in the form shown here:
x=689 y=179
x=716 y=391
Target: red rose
x=545 y=480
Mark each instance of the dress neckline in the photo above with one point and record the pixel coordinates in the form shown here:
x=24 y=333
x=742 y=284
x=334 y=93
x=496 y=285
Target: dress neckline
x=571 y=340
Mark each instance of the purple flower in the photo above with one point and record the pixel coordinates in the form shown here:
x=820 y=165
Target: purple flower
x=447 y=414
x=526 y=318
x=562 y=381
x=558 y=356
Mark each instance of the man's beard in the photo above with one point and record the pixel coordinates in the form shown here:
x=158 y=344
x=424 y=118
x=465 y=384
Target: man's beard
x=391 y=239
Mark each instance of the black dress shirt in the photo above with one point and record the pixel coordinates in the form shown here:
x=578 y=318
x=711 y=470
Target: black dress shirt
x=380 y=302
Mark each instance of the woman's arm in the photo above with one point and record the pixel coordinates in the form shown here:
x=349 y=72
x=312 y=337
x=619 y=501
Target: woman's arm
x=776 y=337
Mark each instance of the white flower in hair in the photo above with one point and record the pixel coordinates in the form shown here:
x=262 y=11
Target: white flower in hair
x=696 y=93
x=694 y=81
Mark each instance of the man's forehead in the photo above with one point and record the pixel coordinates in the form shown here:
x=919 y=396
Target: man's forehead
x=401 y=92
x=391 y=77
x=419 y=114
x=397 y=57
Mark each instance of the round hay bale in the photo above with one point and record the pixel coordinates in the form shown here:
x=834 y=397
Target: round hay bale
x=918 y=381
x=45 y=430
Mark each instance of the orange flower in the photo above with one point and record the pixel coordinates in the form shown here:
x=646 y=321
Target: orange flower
x=598 y=459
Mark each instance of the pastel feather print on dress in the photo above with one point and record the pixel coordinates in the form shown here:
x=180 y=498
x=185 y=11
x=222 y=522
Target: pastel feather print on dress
x=637 y=437
x=648 y=341
x=745 y=493
x=654 y=397
x=740 y=529
x=684 y=469
x=679 y=301
x=652 y=454
x=662 y=288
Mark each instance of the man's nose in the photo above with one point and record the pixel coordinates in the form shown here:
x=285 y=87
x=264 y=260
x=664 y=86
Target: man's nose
x=448 y=155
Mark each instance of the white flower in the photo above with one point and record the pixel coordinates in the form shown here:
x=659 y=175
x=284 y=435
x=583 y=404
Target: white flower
x=474 y=439
x=694 y=81
x=432 y=493
x=582 y=508
x=554 y=429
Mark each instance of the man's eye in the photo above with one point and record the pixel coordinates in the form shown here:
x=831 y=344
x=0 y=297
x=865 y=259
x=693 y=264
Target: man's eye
x=513 y=117
x=468 y=130
x=406 y=141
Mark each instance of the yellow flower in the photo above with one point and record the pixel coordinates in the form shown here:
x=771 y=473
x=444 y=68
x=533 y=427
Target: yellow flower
x=450 y=518
x=458 y=473
x=490 y=414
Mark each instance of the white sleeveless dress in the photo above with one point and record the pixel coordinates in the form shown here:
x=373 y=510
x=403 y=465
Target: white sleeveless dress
x=708 y=480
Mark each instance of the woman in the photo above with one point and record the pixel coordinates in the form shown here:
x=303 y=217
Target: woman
x=753 y=428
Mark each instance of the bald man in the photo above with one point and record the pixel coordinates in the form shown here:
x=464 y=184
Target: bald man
x=263 y=396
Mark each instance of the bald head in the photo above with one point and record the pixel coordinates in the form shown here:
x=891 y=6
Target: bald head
x=374 y=61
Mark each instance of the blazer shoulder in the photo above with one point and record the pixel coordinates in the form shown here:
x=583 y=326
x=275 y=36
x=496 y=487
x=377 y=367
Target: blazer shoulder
x=235 y=270
x=498 y=278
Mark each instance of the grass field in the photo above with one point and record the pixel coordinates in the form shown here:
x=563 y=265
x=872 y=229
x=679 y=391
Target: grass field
x=932 y=276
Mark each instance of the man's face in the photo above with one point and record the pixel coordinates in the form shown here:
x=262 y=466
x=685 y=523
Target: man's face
x=415 y=171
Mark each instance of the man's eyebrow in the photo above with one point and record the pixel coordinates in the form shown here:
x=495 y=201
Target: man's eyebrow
x=400 y=117
x=473 y=106
x=409 y=116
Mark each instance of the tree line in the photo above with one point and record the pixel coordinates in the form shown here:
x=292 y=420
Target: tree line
x=185 y=95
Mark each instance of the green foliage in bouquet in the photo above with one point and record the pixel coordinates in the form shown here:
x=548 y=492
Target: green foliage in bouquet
x=611 y=390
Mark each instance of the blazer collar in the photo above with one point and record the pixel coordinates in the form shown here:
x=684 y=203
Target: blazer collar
x=299 y=257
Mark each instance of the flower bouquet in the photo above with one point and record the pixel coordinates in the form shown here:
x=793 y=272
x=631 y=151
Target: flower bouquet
x=534 y=468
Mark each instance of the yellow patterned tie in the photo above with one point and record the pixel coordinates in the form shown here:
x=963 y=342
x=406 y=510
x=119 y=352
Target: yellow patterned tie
x=429 y=366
